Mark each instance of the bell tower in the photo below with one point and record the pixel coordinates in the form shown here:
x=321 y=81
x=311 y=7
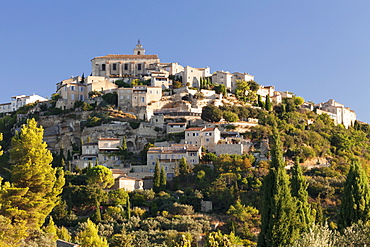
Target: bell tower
x=139 y=50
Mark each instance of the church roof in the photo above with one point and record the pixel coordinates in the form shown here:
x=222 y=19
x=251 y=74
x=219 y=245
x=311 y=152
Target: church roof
x=112 y=56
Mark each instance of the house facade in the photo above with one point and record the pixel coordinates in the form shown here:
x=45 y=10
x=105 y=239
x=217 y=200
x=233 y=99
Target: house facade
x=201 y=136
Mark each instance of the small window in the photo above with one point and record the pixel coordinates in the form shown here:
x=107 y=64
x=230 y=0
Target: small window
x=72 y=97
x=81 y=89
x=139 y=66
x=103 y=67
x=114 y=66
x=73 y=88
x=81 y=98
x=142 y=99
x=126 y=66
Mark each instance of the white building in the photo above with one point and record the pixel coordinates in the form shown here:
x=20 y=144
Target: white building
x=338 y=112
x=19 y=101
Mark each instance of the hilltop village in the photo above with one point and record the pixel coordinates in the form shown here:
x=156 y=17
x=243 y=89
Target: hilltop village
x=186 y=150
x=164 y=101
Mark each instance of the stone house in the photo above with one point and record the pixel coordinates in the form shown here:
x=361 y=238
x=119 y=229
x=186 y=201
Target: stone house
x=175 y=127
x=201 y=136
x=169 y=158
x=229 y=79
x=99 y=153
x=77 y=89
x=122 y=181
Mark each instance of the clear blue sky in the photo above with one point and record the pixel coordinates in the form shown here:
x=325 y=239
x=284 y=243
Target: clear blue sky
x=316 y=49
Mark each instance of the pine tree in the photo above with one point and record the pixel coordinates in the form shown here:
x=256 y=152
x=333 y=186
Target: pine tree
x=163 y=179
x=89 y=236
x=31 y=169
x=157 y=177
x=278 y=215
x=356 y=197
x=300 y=193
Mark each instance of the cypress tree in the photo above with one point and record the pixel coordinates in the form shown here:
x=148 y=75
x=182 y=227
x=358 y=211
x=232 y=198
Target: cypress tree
x=300 y=193
x=278 y=214
x=163 y=179
x=128 y=208
x=157 y=177
x=356 y=197
x=268 y=104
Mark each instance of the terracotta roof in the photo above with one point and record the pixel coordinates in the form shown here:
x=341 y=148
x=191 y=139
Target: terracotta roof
x=209 y=129
x=176 y=123
x=194 y=129
x=113 y=56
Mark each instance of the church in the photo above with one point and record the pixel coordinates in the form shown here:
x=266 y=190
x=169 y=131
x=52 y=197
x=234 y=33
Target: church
x=116 y=67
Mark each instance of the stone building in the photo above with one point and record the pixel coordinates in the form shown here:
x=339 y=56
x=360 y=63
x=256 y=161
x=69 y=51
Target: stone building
x=78 y=88
x=201 y=136
x=121 y=66
x=338 y=112
x=169 y=157
x=230 y=79
x=192 y=75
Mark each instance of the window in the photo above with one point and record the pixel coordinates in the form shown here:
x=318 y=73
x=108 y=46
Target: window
x=139 y=66
x=81 y=89
x=207 y=139
x=81 y=98
x=126 y=66
x=103 y=67
x=114 y=66
x=142 y=99
x=72 y=97
x=73 y=88
x=166 y=168
x=153 y=163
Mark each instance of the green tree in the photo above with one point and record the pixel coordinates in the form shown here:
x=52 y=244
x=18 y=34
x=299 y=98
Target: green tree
x=211 y=113
x=163 y=179
x=300 y=193
x=184 y=167
x=268 y=104
x=100 y=176
x=278 y=214
x=355 y=205
x=230 y=116
x=31 y=170
x=157 y=177
x=89 y=236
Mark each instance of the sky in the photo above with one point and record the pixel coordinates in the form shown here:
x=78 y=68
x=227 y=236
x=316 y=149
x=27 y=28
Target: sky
x=317 y=49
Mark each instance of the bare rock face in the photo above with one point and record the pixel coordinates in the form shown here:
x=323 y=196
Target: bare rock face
x=64 y=132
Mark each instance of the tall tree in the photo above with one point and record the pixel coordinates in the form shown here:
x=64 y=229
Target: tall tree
x=278 y=214
x=356 y=197
x=163 y=179
x=268 y=104
x=157 y=177
x=300 y=193
x=31 y=170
